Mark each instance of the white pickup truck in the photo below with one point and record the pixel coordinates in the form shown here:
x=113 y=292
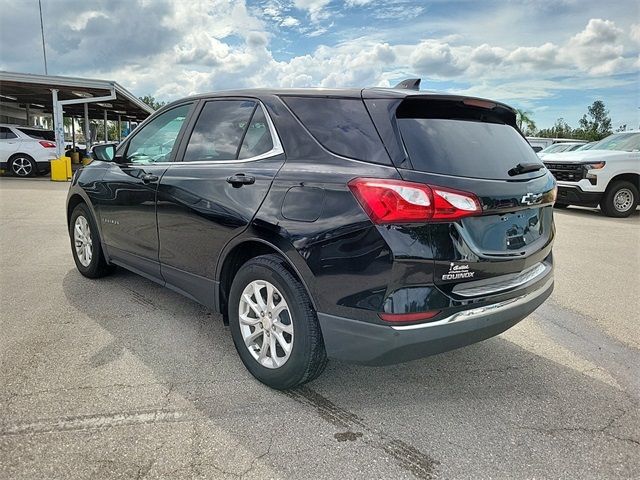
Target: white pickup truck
x=607 y=175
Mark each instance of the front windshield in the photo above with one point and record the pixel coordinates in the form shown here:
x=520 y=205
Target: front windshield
x=626 y=142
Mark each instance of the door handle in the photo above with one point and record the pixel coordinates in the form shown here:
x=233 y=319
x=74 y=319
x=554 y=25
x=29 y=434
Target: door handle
x=241 y=179
x=148 y=177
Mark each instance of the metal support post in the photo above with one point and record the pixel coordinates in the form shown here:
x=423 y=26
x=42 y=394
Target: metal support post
x=106 y=133
x=58 y=123
x=87 y=132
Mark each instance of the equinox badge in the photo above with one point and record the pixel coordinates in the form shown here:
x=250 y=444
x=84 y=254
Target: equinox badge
x=531 y=198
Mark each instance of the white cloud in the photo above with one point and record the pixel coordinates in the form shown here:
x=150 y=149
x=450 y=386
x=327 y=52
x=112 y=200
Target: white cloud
x=433 y=58
x=598 y=48
x=185 y=47
x=315 y=8
x=634 y=33
x=290 y=22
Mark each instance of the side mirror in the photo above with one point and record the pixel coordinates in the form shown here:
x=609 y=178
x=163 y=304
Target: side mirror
x=106 y=152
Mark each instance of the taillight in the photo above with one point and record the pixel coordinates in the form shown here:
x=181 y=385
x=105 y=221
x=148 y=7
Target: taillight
x=397 y=201
x=47 y=144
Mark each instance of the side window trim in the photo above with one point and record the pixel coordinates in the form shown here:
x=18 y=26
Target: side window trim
x=275 y=151
x=124 y=148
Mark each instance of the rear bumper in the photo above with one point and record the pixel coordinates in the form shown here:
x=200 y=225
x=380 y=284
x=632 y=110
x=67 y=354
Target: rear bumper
x=361 y=342
x=574 y=195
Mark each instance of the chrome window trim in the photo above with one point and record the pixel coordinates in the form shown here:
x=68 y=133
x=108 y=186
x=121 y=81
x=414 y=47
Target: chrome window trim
x=480 y=312
x=275 y=150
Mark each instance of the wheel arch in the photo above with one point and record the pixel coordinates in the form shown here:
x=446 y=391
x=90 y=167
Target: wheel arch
x=76 y=198
x=634 y=178
x=241 y=250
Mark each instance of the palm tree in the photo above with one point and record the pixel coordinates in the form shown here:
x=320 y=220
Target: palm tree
x=523 y=118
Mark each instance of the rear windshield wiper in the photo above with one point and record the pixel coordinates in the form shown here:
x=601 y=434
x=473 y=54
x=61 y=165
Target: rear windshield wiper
x=525 y=168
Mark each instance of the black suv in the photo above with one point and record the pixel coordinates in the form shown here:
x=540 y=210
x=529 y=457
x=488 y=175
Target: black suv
x=373 y=226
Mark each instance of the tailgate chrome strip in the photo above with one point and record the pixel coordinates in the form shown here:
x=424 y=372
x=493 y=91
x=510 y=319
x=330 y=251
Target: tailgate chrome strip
x=480 y=312
x=505 y=282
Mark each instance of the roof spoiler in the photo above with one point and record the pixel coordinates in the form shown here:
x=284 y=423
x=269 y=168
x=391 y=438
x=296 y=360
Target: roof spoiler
x=409 y=84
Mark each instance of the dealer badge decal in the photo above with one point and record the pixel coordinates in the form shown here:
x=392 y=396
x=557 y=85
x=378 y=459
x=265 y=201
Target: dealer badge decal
x=458 y=271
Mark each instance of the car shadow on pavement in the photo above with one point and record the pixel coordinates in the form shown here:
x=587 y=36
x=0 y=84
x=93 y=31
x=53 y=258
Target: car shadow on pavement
x=485 y=407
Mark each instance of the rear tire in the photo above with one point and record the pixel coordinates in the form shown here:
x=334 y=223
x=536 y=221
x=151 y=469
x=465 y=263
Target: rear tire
x=620 y=200
x=22 y=165
x=85 y=244
x=306 y=357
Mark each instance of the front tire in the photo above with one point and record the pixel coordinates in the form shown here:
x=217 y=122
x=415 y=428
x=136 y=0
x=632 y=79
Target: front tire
x=620 y=199
x=23 y=165
x=273 y=324
x=85 y=244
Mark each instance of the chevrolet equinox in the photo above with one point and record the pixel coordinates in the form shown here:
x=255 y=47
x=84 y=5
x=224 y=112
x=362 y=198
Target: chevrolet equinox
x=368 y=225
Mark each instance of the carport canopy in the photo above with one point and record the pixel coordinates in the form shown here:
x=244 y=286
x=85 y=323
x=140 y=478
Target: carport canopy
x=78 y=97
x=28 y=88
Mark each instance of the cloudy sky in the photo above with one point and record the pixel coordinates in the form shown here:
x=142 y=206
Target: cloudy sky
x=551 y=57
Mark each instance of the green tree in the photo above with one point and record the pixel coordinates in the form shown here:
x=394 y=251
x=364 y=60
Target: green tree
x=152 y=102
x=525 y=122
x=112 y=130
x=560 y=129
x=596 y=123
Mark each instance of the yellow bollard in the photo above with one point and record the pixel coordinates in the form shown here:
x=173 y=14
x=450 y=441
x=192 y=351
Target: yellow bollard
x=61 y=169
x=87 y=160
x=75 y=158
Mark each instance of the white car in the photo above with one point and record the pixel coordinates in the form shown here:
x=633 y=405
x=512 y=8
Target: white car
x=560 y=147
x=608 y=175
x=26 y=151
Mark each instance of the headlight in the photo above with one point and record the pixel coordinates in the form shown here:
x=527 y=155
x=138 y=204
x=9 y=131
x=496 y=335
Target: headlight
x=594 y=166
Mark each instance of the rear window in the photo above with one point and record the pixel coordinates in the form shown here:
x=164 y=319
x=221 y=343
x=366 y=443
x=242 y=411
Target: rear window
x=465 y=148
x=341 y=125
x=39 y=134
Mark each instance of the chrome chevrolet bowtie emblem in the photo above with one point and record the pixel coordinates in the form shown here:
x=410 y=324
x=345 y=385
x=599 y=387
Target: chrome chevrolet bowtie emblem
x=531 y=198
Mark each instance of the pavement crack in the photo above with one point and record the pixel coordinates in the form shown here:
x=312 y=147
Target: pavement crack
x=595 y=430
x=262 y=455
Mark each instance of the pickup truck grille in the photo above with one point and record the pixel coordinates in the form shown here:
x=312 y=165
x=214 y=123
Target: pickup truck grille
x=567 y=172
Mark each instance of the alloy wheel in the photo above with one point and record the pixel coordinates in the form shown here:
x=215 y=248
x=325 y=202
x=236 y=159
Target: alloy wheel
x=21 y=166
x=82 y=241
x=266 y=324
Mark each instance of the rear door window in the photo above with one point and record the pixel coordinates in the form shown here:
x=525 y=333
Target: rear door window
x=6 y=134
x=219 y=130
x=464 y=148
x=257 y=139
x=39 y=134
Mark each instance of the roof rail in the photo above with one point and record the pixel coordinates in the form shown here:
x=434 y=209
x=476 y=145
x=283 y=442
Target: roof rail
x=409 y=84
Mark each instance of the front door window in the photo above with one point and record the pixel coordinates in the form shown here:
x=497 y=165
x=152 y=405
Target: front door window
x=155 y=142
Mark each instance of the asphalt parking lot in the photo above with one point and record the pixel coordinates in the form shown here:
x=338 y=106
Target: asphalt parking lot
x=120 y=378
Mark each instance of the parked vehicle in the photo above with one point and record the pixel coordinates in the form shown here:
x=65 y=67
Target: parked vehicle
x=540 y=143
x=26 y=151
x=374 y=226
x=608 y=175
x=560 y=147
x=586 y=146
